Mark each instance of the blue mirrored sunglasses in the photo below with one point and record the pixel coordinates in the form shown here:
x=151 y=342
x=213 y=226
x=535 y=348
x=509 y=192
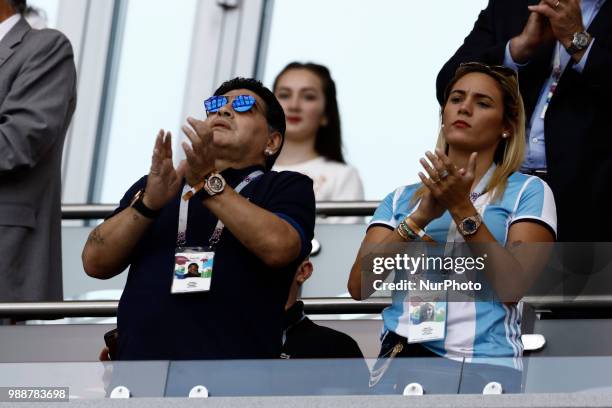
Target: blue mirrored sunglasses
x=240 y=103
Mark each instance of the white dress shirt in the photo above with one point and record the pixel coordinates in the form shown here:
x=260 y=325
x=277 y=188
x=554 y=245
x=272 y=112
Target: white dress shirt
x=7 y=24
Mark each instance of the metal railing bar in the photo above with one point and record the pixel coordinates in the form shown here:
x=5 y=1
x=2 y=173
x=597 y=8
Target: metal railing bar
x=56 y=310
x=326 y=208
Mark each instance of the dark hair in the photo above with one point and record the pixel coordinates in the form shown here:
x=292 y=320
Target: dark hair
x=275 y=116
x=193 y=263
x=18 y=5
x=329 y=137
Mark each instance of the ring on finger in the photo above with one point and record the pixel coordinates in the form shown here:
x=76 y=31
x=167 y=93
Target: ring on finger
x=443 y=174
x=557 y=4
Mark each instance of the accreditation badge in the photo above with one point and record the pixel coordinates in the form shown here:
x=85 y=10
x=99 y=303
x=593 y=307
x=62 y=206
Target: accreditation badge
x=193 y=268
x=427 y=316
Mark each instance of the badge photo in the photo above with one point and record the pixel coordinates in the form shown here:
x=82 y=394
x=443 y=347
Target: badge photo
x=427 y=319
x=192 y=270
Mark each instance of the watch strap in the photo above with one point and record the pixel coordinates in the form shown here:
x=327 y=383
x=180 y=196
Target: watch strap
x=572 y=49
x=194 y=190
x=139 y=205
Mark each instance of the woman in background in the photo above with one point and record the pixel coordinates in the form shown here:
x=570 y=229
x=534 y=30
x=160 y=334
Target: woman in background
x=313 y=142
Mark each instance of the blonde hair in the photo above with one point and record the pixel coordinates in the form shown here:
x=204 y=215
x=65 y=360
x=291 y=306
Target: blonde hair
x=510 y=151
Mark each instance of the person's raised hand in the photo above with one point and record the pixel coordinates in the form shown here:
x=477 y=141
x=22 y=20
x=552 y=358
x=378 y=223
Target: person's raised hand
x=449 y=185
x=164 y=180
x=536 y=33
x=200 y=155
x=428 y=210
x=564 y=16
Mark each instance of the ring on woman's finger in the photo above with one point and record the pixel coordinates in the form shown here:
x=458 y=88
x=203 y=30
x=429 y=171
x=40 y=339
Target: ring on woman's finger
x=443 y=174
x=557 y=4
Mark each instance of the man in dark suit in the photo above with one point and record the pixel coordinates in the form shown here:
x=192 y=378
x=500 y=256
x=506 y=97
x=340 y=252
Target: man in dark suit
x=562 y=50
x=37 y=100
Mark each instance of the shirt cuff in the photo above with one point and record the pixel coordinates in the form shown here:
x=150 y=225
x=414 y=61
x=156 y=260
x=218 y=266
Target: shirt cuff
x=579 y=66
x=305 y=245
x=509 y=62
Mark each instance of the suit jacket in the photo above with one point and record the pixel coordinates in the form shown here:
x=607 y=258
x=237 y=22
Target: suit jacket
x=578 y=137
x=37 y=100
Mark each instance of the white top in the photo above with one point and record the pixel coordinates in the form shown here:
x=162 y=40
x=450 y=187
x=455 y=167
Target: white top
x=332 y=181
x=7 y=24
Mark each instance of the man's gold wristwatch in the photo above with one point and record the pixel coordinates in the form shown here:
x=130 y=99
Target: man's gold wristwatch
x=214 y=184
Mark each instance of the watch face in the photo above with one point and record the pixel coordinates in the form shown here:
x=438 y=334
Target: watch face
x=581 y=40
x=469 y=225
x=215 y=183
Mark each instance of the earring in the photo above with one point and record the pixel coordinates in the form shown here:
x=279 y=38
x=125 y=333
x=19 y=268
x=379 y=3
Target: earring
x=268 y=152
x=505 y=135
x=442 y=126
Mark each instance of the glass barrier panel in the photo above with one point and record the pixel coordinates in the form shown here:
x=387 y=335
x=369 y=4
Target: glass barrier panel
x=315 y=377
x=89 y=380
x=568 y=374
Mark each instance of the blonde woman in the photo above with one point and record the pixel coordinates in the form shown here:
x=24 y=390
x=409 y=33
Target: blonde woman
x=470 y=191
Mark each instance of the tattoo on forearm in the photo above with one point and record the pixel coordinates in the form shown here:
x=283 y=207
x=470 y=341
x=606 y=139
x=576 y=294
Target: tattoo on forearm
x=95 y=238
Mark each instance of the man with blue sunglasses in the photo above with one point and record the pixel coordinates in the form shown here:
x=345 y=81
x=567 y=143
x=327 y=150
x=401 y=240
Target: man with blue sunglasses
x=246 y=227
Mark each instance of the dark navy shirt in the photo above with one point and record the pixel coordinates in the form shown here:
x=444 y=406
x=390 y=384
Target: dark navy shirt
x=241 y=316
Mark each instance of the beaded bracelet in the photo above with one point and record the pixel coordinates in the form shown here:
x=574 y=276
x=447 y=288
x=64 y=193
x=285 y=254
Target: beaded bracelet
x=410 y=232
x=402 y=233
x=415 y=228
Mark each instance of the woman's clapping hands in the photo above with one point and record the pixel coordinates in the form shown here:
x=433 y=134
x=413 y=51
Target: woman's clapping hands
x=449 y=185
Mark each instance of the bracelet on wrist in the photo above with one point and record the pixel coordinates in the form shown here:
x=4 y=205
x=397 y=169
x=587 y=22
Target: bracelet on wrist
x=402 y=234
x=407 y=233
x=194 y=189
x=419 y=232
x=139 y=205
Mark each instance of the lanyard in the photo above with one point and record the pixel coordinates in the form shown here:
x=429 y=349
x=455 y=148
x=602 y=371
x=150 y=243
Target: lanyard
x=482 y=184
x=181 y=236
x=556 y=75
